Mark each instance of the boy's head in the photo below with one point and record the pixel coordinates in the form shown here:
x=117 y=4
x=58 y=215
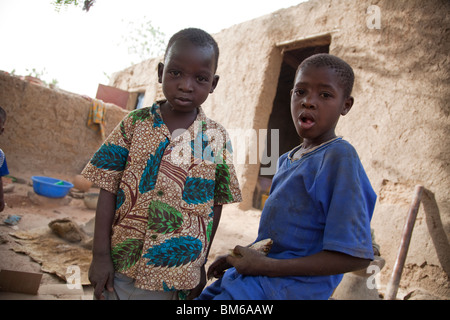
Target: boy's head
x=188 y=72
x=321 y=94
x=341 y=68
x=2 y=120
x=198 y=38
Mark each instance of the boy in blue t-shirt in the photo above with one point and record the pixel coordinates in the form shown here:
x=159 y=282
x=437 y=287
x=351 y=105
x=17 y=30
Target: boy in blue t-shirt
x=3 y=166
x=320 y=205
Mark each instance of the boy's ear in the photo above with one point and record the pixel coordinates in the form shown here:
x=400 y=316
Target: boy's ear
x=160 y=71
x=214 y=83
x=348 y=104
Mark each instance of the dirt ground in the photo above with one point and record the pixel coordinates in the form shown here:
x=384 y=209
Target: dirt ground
x=31 y=246
x=36 y=212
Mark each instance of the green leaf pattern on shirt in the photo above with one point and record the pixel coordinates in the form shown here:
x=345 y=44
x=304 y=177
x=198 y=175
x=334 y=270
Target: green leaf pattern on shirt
x=126 y=254
x=163 y=218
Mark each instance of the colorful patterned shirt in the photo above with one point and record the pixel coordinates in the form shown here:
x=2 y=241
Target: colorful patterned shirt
x=166 y=189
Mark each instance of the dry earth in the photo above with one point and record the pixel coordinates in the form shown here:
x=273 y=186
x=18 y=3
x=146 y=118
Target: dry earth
x=31 y=246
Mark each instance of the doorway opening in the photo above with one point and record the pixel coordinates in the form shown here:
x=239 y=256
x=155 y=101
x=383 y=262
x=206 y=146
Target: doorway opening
x=280 y=121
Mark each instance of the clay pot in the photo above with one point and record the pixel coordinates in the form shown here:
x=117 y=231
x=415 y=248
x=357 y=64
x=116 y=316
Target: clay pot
x=90 y=200
x=81 y=183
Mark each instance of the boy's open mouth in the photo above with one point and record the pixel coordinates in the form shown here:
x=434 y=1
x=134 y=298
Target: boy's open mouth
x=306 y=121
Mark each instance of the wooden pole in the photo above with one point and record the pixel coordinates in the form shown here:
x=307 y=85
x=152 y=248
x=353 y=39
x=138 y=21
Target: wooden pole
x=394 y=282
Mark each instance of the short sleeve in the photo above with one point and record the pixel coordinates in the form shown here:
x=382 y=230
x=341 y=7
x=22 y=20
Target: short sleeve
x=226 y=188
x=347 y=200
x=106 y=167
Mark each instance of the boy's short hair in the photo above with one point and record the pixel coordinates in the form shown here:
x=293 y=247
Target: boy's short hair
x=342 y=69
x=197 y=37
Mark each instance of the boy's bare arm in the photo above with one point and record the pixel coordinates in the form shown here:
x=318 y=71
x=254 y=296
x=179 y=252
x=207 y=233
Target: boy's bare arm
x=322 y=263
x=216 y=219
x=101 y=271
x=103 y=223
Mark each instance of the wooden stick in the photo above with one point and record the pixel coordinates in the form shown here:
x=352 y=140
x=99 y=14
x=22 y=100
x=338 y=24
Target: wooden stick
x=394 y=282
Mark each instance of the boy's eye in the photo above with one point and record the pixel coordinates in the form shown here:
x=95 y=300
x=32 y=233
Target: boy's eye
x=175 y=73
x=326 y=95
x=299 y=92
x=202 y=79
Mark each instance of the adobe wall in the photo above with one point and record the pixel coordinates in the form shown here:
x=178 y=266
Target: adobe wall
x=399 y=123
x=46 y=131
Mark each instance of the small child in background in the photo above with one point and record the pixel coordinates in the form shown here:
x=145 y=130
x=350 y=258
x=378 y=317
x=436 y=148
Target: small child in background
x=320 y=205
x=3 y=165
x=156 y=215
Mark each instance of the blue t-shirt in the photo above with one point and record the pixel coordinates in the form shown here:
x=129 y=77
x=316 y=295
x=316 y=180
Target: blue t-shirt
x=3 y=166
x=322 y=201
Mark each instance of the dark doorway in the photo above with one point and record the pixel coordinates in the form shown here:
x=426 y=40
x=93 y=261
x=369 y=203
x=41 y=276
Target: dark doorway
x=280 y=119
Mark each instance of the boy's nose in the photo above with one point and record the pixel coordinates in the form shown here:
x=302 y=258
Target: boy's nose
x=186 y=85
x=308 y=105
x=309 y=101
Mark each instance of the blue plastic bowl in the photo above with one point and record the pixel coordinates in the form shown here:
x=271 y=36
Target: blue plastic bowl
x=51 y=187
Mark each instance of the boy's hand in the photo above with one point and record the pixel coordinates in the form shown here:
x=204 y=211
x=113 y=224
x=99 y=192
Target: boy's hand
x=218 y=267
x=248 y=261
x=101 y=275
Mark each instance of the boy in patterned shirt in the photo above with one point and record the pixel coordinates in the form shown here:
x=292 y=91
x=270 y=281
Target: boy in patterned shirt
x=164 y=173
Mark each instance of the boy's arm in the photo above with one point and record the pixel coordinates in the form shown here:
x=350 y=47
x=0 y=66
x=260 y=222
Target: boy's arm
x=216 y=219
x=319 y=264
x=101 y=271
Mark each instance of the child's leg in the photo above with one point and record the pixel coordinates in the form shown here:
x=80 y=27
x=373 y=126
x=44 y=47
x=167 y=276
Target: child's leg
x=212 y=291
x=233 y=286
